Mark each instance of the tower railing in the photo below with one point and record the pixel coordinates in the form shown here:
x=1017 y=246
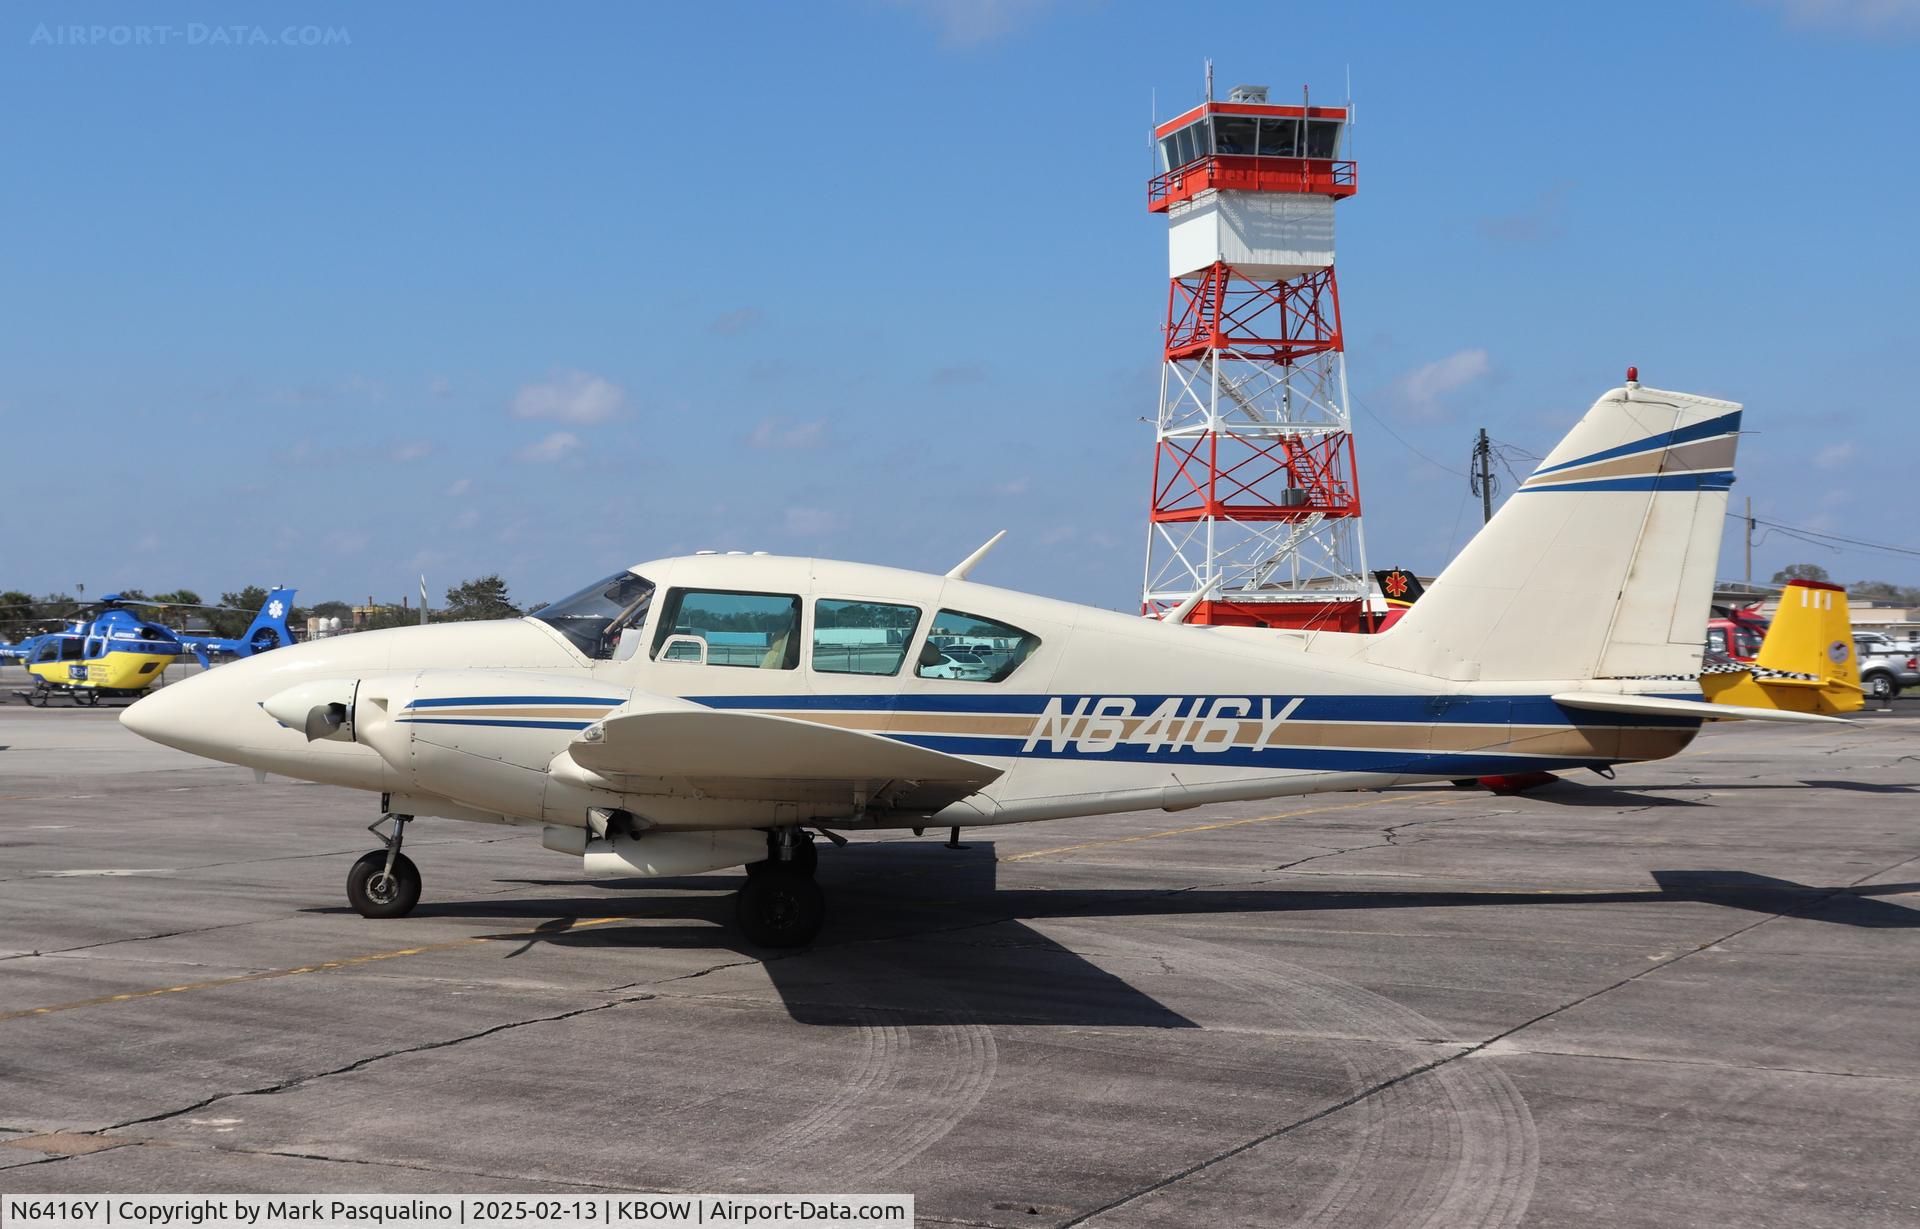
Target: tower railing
x=1252 y=173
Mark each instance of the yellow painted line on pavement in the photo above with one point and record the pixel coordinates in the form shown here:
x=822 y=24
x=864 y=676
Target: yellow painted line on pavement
x=325 y=966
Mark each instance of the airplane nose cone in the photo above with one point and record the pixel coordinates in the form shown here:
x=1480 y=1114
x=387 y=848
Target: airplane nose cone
x=165 y=715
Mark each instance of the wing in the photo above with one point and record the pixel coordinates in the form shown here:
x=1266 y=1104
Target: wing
x=656 y=736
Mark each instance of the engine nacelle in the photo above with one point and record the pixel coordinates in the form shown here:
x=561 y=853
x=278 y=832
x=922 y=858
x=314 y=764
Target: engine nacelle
x=481 y=738
x=655 y=852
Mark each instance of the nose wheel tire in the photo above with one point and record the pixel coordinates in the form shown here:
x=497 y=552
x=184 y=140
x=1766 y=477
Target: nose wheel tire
x=778 y=908
x=374 y=893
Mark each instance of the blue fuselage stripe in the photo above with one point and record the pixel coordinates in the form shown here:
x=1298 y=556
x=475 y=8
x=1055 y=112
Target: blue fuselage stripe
x=1726 y=424
x=1709 y=480
x=1421 y=710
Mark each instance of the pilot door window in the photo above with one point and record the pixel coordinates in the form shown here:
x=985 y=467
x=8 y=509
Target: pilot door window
x=972 y=649
x=861 y=637
x=758 y=631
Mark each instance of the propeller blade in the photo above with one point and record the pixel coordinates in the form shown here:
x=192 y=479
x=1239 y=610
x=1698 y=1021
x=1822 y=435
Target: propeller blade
x=324 y=719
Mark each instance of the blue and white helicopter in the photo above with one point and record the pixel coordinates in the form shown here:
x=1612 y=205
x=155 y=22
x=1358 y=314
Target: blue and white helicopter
x=108 y=648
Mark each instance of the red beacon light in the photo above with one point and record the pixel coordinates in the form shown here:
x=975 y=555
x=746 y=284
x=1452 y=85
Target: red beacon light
x=1633 y=375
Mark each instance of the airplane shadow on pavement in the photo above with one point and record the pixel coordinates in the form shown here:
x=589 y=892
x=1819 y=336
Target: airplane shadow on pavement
x=918 y=934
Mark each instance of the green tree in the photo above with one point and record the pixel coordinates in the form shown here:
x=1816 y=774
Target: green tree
x=232 y=622
x=1802 y=571
x=16 y=613
x=484 y=597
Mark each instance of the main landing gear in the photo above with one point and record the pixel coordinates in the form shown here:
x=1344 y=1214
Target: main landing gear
x=780 y=905
x=385 y=883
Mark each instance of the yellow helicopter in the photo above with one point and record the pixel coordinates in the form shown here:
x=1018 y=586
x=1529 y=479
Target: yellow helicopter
x=109 y=649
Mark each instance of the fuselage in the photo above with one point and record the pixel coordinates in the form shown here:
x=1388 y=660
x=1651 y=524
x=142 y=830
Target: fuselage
x=1080 y=710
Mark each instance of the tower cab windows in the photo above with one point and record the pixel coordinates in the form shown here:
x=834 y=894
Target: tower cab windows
x=973 y=649
x=1246 y=136
x=603 y=620
x=723 y=627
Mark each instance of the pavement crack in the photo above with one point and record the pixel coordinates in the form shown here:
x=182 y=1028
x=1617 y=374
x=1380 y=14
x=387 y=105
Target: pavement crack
x=1470 y=1051
x=299 y=1081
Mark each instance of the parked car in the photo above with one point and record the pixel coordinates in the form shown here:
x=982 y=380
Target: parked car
x=1886 y=665
x=958 y=663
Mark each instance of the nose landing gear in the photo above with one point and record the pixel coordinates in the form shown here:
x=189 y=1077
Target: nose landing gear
x=385 y=883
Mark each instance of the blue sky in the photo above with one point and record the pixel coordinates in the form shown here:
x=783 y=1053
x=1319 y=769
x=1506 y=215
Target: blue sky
x=480 y=287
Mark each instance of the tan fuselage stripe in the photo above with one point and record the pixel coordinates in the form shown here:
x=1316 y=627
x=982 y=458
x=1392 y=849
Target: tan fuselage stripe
x=1630 y=742
x=1705 y=454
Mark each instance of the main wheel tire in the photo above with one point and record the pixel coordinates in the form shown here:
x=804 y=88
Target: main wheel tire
x=373 y=894
x=805 y=861
x=780 y=909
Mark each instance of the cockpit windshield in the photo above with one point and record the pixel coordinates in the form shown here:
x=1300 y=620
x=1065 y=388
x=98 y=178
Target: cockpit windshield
x=595 y=618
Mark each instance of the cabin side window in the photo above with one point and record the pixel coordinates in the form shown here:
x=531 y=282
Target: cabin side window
x=861 y=637
x=724 y=627
x=973 y=649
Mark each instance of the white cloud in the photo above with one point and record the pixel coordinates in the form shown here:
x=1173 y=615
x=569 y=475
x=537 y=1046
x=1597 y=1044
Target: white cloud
x=813 y=522
x=467 y=519
x=970 y=23
x=460 y=486
x=959 y=374
x=1851 y=16
x=439 y=386
x=1425 y=386
x=1539 y=222
x=571 y=396
x=738 y=321
x=1014 y=486
x=1834 y=456
x=771 y=433
x=556 y=447
x=412 y=450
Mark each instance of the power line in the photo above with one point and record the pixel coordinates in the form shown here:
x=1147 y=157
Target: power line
x=1384 y=425
x=1832 y=541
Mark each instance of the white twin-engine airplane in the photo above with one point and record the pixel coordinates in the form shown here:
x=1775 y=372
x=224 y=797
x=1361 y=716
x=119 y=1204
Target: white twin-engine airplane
x=713 y=711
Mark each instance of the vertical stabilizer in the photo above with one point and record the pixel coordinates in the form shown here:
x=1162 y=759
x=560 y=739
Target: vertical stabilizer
x=1812 y=634
x=1600 y=566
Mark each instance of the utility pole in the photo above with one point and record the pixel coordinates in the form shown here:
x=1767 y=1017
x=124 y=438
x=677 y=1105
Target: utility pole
x=1481 y=479
x=1749 y=539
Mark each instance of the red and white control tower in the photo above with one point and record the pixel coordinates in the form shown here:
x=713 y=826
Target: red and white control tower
x=1255 y=500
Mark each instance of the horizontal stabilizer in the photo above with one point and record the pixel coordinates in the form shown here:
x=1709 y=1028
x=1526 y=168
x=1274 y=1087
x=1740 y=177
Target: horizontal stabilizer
x=694 y=741
x=1658 y=706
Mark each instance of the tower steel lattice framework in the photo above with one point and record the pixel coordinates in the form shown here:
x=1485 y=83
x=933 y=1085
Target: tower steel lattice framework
x=1256 y=504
